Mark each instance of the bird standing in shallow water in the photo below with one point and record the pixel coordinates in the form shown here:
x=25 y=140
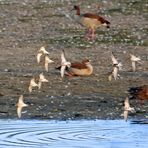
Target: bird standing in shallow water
x=91 y=21
x=20 y=105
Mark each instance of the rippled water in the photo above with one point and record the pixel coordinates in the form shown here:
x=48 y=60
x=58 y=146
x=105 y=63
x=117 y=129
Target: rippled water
x=69 y=134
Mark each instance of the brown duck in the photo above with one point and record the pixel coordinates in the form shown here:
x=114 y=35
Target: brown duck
x=140 y=93
x=83 y=68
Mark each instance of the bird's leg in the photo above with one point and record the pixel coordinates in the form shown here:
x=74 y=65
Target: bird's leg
x=88 y=34
x=92 y=35
x=70 y=75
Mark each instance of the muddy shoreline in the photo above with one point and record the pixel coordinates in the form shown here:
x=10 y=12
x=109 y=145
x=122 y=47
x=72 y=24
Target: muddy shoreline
x=26 y=26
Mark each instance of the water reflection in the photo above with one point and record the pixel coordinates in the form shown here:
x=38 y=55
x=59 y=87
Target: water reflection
x=69 y=134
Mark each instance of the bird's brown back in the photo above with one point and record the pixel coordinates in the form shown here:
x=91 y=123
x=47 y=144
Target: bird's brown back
x=143 y=93
x=78 y=65
x=95 y=16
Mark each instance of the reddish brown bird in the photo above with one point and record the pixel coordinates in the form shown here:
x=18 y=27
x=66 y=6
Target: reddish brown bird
x=91 y=21
x=83 y=68
x=140 y=93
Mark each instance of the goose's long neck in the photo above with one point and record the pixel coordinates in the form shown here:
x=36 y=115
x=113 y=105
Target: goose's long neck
x=90 y=68
x=78 y=11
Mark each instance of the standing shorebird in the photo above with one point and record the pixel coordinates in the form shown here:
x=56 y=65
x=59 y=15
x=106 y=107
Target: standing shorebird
x=134 y=59
x=20 y=105
x=91 y=21
x=127 y=108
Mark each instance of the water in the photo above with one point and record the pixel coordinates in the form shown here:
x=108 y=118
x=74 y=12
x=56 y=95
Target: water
x=72 y=134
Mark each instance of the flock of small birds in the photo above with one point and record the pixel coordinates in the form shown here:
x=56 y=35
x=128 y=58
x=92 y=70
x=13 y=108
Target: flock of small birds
x=42 y=52
x=33 y=83
x=90 y=21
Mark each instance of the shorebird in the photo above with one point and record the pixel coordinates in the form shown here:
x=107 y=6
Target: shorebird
x=116 y=66
x=91 y=21
x=41 y=51
x=134 y=59
x=42 y=79
x=32 y=84
x=20 y=105
x=39 y=54
x=47 y=61
x=140 y=93
x=64 y=64
x=83 y=68
x=127 y=108
x=114 y=73
x=115 y=62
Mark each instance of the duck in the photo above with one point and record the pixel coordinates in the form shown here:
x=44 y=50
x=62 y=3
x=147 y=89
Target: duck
x=140 y=92
x=83 y=68
x=91 y=21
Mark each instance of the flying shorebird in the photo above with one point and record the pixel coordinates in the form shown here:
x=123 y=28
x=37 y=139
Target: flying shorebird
x=134 y=59
x=115 y=62
x=116 y=66
x=39 y=57
x=64 y=64
x=114 y=73
x=41 y=80
x=47 y=61
x=127 y=108
x=32 y=84
x=20 y=105
x=41 y=51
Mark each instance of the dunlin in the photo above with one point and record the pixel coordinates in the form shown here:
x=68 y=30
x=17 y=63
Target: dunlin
x=20 y=105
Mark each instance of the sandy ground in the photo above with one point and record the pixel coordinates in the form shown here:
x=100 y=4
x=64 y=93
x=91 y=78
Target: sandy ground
x=26 y=26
